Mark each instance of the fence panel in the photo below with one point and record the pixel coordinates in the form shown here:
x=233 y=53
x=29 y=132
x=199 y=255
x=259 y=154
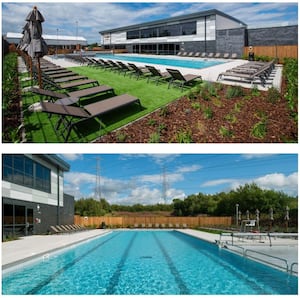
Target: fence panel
x=279 y=52
x=130 y=221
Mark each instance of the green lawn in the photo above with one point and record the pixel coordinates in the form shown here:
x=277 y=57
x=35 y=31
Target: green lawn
x=40 y=128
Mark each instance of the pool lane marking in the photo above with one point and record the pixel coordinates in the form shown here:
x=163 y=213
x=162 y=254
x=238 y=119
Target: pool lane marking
x=239 y=274
x=181 y=284
x=114 y=280
x=38 y=287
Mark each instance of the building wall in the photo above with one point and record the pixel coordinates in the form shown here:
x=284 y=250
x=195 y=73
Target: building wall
x=231 y=41
x=287 y=35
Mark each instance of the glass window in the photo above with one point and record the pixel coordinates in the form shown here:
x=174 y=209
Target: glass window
x=148 y=33
x=24 y=171
x=133 y=34
x=20 y=214
x=189 y=28
x=8 y=214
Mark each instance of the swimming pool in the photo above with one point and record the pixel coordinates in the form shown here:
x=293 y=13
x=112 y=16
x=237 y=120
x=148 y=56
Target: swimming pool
x=147 y=262
x=186 y=63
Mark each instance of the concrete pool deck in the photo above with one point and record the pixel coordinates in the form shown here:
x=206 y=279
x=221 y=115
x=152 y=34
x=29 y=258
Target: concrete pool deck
x=208 y=74
x=37 y=246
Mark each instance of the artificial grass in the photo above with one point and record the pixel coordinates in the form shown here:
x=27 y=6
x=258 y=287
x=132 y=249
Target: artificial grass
x=41 y=129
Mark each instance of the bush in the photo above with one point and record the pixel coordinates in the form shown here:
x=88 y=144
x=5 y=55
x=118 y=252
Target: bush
x=234 y=91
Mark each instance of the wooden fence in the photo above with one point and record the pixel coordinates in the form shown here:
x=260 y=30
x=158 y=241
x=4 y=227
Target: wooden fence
x=279 y=52
x=126 y=222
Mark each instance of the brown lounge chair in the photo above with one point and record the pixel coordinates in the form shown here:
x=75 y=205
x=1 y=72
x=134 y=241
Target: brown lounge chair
x=71 y=84
x=156 y=75
x=68 y=114
x=73 y=95
x=179 y=79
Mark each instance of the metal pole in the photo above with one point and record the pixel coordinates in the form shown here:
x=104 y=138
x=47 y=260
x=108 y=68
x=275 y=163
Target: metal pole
x=237 y=214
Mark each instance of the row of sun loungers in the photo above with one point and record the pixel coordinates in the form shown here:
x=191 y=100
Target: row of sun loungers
x=172 y=76
x=66 y=229
x=208 y=55
x=63 y=98
x=249 y=72
x=162 y=226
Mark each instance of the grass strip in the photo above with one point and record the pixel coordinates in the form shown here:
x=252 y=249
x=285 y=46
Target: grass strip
x=40 y=128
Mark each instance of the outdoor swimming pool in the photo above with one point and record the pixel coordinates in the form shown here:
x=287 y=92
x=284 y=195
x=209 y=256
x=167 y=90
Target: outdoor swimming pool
x=186 y=63
x=147 y=262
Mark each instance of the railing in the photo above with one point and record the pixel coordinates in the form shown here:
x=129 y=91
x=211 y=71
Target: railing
x=286 y=266
x=292 y=268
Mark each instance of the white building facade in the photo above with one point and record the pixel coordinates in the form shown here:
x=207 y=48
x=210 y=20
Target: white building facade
x=196 y=32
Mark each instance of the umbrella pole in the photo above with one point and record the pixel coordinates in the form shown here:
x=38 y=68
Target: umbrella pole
x=30 y=69
x=39 y=73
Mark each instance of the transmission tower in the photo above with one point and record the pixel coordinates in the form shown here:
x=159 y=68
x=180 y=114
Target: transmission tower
x=98 y=180
x=164 y=184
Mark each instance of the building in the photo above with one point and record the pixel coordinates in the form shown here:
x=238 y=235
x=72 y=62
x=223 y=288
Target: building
x=33 y=195
x=208 y=31
x=53 y=41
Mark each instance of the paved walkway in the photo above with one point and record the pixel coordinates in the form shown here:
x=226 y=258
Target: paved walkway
x=30 y=247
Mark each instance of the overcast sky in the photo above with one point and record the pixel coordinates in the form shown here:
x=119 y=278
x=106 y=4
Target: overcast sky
x=145 y=178
x=88 y=18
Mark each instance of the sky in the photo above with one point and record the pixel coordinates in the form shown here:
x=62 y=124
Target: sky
x=146 y=179
x=88 y=18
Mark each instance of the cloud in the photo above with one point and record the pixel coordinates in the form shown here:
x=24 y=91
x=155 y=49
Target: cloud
x=93 y=17
x=275 y=181
x=71 y=156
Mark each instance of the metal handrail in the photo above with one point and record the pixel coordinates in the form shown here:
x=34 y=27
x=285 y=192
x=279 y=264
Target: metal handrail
x=292 y=266
x=264 y=254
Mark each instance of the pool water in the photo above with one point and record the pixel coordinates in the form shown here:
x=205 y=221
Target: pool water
x=147 y=262
x=186 y=63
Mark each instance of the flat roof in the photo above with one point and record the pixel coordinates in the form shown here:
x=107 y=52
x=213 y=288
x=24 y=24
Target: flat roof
x=47 y=37
x=54 y=159
x=175 y=19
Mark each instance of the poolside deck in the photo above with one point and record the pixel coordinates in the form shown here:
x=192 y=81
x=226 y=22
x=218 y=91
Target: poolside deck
x=31 y=247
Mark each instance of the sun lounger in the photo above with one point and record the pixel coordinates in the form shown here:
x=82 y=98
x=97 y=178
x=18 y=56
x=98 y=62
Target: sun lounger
x=210 y=55
x=72 y=96
x=125 y=68
x=69 y=114
x=217 y=55
x=137 y=71
x=55 y=230
x=156 y=75
x=61 y=75
x=179 y=79
x=249 y=73
x=69 y=79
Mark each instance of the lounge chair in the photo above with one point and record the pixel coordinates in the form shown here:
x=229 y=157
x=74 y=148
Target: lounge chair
x=138 y=71
x=55 y=230
x=197 y=54
x=217 y=55
x=124 y=68
x=69 y=114
x=61 y=75
x=191 y=54
x=210 y=55
x=179 y=79
x=234 y=56
x=203 y=55
x=226 y=55
x=156 y=75
x=72 y=97
x=69 y=79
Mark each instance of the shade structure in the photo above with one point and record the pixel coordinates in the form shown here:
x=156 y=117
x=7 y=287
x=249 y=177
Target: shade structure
x=37 y=47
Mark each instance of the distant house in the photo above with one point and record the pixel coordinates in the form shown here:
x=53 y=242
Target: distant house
x=53 y=41
x=33 y=195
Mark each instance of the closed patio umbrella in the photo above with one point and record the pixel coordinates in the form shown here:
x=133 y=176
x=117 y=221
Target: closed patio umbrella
x=37 y=47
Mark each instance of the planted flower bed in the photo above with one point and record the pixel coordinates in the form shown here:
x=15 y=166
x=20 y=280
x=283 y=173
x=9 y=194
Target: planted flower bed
x=215 y=113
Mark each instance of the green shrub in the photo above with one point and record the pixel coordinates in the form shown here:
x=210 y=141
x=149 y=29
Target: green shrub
x=273 y=95
x=234 y=91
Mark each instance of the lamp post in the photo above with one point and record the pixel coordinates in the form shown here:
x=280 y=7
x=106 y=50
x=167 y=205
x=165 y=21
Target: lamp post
x=76 y=35
x=57 y=43
x=237 y=214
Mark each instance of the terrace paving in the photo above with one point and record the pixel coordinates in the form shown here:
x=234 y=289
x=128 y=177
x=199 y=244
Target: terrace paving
x=31 y=247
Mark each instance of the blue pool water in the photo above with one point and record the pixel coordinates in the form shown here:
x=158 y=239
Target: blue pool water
x=197 y=63
x=147 y=262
